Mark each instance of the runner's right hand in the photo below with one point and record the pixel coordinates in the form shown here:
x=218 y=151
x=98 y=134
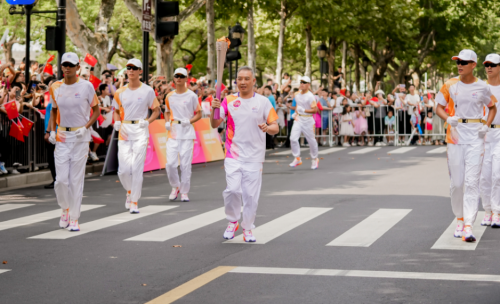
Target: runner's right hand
x=453 y=121
x=167 y=126
x=301 y=110
x=216 y=103
x=117 y=125
x=52 y=137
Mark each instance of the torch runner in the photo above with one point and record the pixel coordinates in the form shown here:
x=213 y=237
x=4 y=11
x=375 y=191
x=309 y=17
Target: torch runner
x=222 y=45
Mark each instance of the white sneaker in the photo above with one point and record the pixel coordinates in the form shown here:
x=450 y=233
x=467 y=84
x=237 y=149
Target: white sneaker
x=134 y=208
x=296 y=162
x=467 y=235
x=248 y=236
x=230 y=230
x=378 y=144
x=459 y=229
x=315 y=163
x=370 y=143
x=64 y=221
x=14 y=171
x=383 y=144
x=127 y=202
x=487 y=219
x=173 y=195
x=346 y=144
x=184 y=197
x=495 y=222
x=73 y=225
x=93 y=156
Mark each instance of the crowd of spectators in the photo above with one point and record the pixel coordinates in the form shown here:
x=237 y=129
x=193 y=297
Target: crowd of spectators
x=356 y=119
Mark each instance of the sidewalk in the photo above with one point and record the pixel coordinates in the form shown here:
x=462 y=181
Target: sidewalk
x=37 y=178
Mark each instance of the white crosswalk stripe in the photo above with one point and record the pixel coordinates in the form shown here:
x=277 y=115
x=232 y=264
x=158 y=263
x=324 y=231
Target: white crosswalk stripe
x=4 y=270
x=174 y=230
x=288 y=152
x=447 y=241
x=364 y=150
x=370 y=229
x=40 y=217
x=330 y=151
x=8 y=207
x=103 y=223
x=401 y=150
x=281 y=225
x=437 y=150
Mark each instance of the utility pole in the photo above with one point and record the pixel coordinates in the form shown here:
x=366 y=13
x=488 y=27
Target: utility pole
x=61 y=24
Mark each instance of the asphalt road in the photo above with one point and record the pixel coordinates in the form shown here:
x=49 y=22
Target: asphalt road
x=363 y=228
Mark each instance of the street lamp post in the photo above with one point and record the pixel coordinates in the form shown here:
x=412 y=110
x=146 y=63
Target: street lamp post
x=366 y=62
x=322 y=49
x=230 y=64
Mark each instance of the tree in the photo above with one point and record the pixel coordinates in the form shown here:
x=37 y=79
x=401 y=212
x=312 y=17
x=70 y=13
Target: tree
x=251 y=37
x=211 y=53
x=95 y=41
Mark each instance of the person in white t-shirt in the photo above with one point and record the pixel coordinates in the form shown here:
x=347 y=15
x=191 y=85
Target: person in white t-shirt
x=304 y=123
x=71 y=98
x=182 y=110
x=249 y=117
x=132 y=103
x=464 y=97
x=490 y=173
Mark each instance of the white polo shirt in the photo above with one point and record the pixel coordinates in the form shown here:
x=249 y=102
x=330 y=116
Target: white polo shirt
x=73 y=103
x=493 y=135
x=465 y=101
x=245 y=141
x=181 y=107
x=134 y=105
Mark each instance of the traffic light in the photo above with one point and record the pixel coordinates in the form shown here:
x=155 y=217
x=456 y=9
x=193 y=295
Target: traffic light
x=165 y=28
x=233 y=53
x=52 y=38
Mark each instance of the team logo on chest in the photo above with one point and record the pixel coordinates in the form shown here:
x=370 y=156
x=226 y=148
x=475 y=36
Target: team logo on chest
x=77 y=95
x=255 y=109
x=237 y=104
x=474 y=95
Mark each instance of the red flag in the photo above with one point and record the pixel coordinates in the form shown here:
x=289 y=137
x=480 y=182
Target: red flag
x=11 y=108
x=46 y=98
x=95 y=81
x=90 y=60
x=48 y=69
x=51 y=58
x=189 y=67
x=96 y=138
x=222 y=87
x=42 y=113
x=16 y=131
x=209 y=99
x=27 y=126
x=100 y=119
x=320 y=106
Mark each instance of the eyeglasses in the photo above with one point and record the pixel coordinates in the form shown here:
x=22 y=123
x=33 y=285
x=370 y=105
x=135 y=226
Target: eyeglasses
x=462 y=62
x=303 y=82
x=134 y=68
x=68 y=65
x=490 y=65
x=179 y=76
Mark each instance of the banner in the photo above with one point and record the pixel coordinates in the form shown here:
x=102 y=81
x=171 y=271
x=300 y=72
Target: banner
x=207 y=145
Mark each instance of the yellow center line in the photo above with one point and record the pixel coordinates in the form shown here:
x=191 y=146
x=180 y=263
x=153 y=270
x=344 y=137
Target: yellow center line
x=188 y=287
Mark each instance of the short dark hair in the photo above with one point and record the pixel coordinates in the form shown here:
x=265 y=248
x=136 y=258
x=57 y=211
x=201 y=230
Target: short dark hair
x=102 y=87
x=268 y=87
x=33 y=62
x=106 y=71
x=12 y=60
x=325 y=90
x=411 y=85
x=339 y=67
x=286 y=74
x=269 y=79
x=289 y=86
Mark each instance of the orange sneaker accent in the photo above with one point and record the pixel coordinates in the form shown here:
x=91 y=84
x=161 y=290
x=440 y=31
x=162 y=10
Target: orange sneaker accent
x=460 y=219
x=129 y=191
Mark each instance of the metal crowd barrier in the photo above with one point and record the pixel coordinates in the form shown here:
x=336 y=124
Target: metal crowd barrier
x=403 y=132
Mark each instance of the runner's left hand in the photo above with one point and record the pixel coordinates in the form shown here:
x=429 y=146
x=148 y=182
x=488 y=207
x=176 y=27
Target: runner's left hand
x=264 y=127
x=483 y=131
x=143 y=123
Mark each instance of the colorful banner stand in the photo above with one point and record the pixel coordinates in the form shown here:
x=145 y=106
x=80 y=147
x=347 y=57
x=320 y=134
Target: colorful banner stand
x=207 y=145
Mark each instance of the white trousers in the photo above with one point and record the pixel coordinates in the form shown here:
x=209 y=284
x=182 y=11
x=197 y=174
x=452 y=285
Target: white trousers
x=305 y=125
x=70 y=159
x=464 y=163
x=183 y=149
x=244 y=181
x=131 y=156
x=490 y=177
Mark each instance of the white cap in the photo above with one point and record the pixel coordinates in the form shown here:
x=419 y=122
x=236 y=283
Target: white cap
x=493 y=58
x=135 y=62
x=305 y=78
x=70 y=57
x=466 y=55
x=379 y=92
x=181 y=71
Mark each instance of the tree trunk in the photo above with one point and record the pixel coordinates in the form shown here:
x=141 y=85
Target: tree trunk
x=251 y=37
x=308 y=51
x=211 y=52
x=357 y=74
x=331 y=62
x=281 y=41
x=344 y=58
x=166 y=59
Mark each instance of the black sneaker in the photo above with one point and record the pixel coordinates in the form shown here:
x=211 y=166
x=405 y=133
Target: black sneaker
x=50 y=186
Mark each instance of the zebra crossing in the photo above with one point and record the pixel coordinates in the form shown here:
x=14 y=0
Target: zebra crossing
x=366 y=150
x=365 y=233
